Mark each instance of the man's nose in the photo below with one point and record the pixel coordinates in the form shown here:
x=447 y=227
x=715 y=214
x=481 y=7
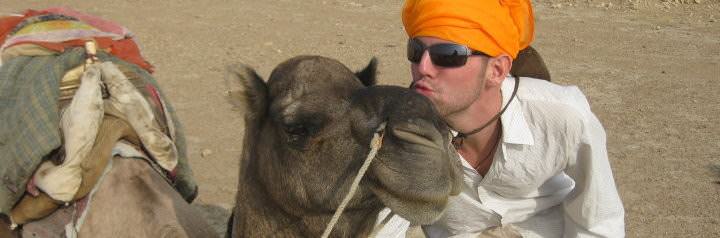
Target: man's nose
x=425 y=66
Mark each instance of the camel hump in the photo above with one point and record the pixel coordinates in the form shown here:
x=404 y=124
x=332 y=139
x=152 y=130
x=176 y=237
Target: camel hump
x=529 y=63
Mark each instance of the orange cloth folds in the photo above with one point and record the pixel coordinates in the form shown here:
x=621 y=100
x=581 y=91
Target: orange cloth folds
x=491 y=26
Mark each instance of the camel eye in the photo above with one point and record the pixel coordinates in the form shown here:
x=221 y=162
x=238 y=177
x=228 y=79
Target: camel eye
x=300 y=129
x=296 y=130
x=297 y=136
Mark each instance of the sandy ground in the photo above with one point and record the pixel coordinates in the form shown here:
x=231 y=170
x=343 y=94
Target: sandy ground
x=649 y=67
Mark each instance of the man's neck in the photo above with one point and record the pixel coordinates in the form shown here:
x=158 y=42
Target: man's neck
x=476 y=148
x=478 y=113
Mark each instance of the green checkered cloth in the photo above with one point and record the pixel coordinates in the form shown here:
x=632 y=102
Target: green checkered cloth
x=29 y=119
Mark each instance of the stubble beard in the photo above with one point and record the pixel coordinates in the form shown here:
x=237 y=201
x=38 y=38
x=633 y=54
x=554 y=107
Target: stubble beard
x=457 y=104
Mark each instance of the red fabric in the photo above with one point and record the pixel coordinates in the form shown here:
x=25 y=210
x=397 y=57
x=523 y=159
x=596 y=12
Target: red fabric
x=155 y=96
x=9 y=22
x=125 y=49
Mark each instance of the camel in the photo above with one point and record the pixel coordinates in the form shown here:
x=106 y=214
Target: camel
x=141 y=201
x=307 y=132
x=133 y=200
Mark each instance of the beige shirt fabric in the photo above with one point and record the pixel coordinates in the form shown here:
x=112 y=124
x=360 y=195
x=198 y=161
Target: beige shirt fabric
x=550 y=176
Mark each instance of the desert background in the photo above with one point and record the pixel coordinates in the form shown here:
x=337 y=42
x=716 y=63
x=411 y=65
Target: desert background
x=650 y=68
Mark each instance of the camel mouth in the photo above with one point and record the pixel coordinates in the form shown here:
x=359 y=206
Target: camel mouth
x=407 y=194
x=411 y=174
x=418 y=133
x=412 y=134
x=417 y=209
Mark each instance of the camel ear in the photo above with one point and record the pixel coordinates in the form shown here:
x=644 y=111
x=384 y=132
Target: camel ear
x=367 y=75
x=246 y=90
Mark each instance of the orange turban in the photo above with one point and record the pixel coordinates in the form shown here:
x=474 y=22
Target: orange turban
x=491 y=26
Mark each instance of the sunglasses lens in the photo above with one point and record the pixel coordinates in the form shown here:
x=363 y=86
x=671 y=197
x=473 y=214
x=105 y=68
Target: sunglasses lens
x=415 y=50
x=448 y=55
x=445 y=55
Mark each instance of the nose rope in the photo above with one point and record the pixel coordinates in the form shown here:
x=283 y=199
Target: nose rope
x=375 y=144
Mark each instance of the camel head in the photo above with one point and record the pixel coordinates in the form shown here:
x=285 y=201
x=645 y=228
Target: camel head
x=308 y=131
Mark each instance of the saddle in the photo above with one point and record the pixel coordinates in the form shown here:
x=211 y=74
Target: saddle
x=25 y=41
x=116 y=124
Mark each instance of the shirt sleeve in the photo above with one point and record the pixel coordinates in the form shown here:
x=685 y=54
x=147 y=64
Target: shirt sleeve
x=593 y=208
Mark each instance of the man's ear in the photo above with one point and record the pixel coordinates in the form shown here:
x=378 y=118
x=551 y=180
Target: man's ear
x=498 y=68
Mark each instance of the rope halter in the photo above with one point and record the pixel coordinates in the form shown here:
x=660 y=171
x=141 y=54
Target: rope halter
x=375 y=144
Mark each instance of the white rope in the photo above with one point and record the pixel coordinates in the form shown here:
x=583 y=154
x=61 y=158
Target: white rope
x=374 y=147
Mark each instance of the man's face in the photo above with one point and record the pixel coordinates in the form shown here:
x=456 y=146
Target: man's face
x=451 y=89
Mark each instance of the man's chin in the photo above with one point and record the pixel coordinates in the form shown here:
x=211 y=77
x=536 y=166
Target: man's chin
x=441 y=109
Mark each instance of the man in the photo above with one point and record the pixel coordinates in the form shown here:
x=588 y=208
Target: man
x=533 y=153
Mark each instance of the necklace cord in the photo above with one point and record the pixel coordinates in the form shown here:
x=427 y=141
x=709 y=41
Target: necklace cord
x=458 y=139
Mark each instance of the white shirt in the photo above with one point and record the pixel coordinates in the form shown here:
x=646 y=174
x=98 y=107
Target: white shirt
x=550 y=176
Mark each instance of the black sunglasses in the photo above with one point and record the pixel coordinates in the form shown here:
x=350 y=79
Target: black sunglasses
x=445 y=55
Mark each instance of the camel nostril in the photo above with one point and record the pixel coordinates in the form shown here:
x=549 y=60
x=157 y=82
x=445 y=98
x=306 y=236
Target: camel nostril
x=419 y=132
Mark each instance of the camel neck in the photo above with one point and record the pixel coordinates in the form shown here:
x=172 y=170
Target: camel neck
x=258 y=216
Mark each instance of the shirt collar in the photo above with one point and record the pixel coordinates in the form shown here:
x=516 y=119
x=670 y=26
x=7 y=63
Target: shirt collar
x=514 y=126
